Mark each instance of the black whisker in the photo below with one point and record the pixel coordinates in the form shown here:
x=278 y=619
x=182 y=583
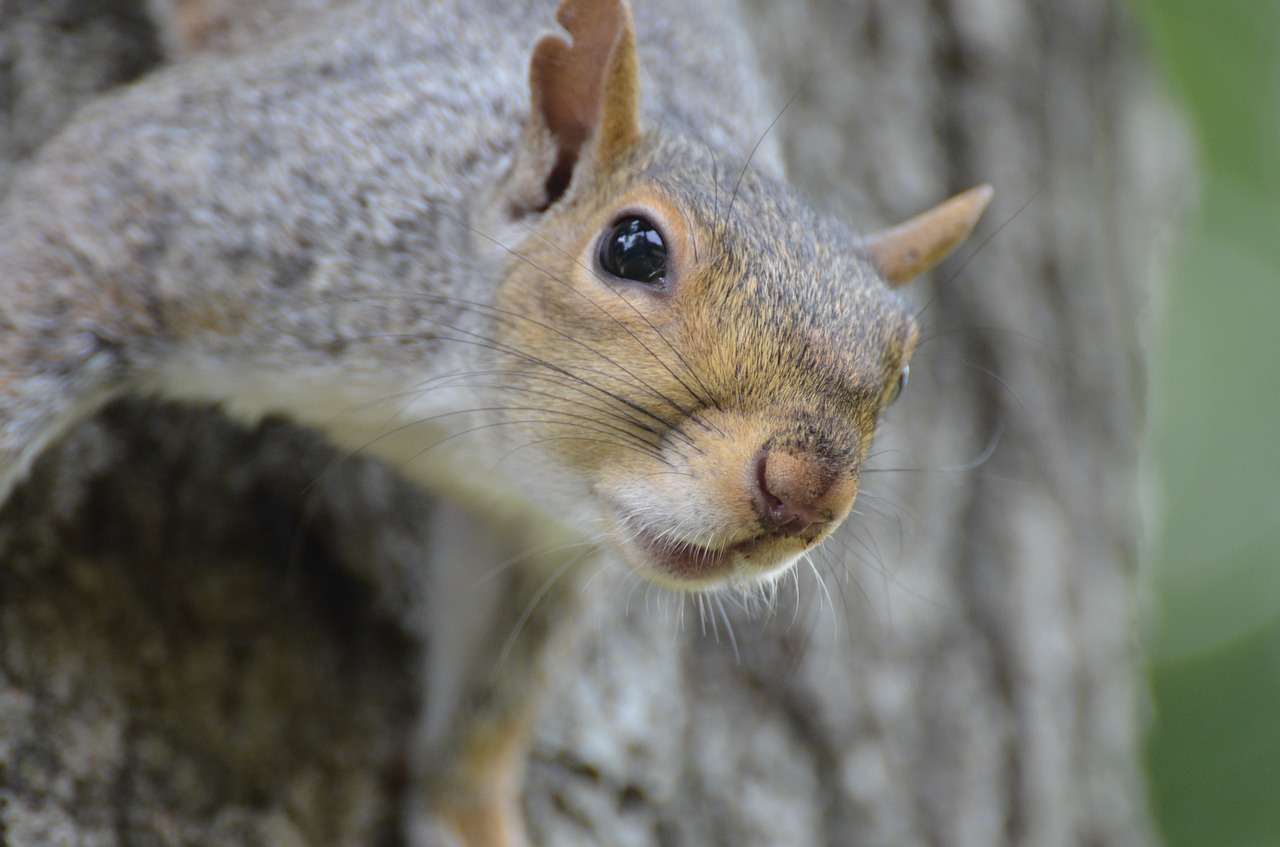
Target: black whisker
x=729 y=211
x=562 y=282
x=533 y=604
x=975 y=251
x=707 y=400
x=976 y=462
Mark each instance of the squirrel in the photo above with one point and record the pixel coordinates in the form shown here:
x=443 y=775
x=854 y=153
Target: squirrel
x=556 y=277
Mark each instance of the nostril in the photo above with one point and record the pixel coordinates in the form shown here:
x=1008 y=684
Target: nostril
x=786 y=513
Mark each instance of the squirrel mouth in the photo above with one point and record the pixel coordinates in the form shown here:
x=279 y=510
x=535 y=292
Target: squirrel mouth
x=689 y=565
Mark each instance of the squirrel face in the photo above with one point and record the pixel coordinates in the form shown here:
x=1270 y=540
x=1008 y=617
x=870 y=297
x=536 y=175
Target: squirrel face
x=702 y=364
x=709 y=364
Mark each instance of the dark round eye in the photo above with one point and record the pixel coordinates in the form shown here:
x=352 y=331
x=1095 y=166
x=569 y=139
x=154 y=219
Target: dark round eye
x=896 y=391
x=634 y=249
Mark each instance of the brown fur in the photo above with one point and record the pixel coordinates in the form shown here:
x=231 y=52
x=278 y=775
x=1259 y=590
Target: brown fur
x=481 y=805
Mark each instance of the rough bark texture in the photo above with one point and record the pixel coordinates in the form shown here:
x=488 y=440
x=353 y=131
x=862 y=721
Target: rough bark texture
x=200 y=646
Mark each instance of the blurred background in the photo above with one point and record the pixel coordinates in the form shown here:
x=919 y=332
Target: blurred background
x=1213 y=616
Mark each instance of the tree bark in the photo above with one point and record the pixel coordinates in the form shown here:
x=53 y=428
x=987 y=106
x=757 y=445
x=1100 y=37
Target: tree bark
x=209 y=635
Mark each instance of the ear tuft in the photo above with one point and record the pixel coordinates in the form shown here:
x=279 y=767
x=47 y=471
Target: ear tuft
x=907 y=250
x=584 y=95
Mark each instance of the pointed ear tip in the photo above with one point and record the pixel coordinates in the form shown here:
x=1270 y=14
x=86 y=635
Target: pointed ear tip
x=979 y=198
x=975 y=199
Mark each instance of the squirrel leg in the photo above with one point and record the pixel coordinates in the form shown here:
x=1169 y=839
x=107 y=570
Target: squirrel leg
x=506 y=604
x=480 y=805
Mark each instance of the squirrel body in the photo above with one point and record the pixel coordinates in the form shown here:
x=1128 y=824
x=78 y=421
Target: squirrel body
x=556 y=278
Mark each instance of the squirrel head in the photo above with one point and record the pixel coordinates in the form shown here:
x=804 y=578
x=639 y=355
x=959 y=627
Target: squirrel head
x=702 y=360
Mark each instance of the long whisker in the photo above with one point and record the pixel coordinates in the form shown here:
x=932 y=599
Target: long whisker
x=737 y=185
x=936 y=334
x=491 y=344
x=728 y=626
x=707 y=400
x=481 y=427
x=978 y=461
x=715 y=175
x=606 y=411
x=588 y=545
x=562 y=282
x=533 y=604
x=488 y=344
x=597 y=425
x=976 y=250
x=638 y=381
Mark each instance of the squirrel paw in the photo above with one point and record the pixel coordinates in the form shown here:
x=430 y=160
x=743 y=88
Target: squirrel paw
x=474 y=824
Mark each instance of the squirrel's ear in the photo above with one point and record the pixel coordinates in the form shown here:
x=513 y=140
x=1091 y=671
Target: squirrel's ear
x=584 y=95
x=912 y=247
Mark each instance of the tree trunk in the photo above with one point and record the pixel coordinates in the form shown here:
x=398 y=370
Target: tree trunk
x=209 y=635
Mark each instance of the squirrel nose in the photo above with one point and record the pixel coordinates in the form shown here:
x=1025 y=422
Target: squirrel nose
x=798 y=495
